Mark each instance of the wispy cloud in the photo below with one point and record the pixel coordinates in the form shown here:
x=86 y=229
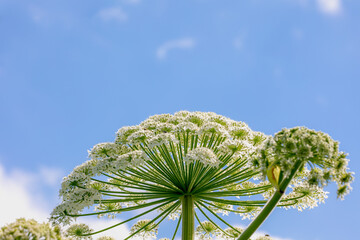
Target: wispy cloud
x=38 y=15
x=297 y=34
x=183 y=43
x=51 y=176
x=239 y=41
x=112 y=14
x=332 y=7
x=132 y=1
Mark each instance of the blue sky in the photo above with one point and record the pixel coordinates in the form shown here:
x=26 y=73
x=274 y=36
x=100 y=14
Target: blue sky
x=73 y=72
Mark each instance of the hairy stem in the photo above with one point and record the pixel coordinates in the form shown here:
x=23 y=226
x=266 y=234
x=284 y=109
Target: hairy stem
x=188 y=221
x=269 y=207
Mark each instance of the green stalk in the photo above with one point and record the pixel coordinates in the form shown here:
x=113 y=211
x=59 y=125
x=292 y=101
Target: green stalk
x=188 y=221
x=269 y=207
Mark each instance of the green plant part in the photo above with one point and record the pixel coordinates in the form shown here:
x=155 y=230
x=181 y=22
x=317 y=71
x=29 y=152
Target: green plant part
x=184 y=167
x=207 y=230
x=77 y=231
x=308 y=160
x=146 y=229
x=23 y=229
x=273 y=175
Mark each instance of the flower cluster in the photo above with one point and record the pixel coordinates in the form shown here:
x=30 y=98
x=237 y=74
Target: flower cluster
x=204 y=137
x=204 y=155
x=29 y=229
x=146 y=229
x=207 y=230
x=319 y=156
x=77 y=231
x=212 y=159
x=24 y=229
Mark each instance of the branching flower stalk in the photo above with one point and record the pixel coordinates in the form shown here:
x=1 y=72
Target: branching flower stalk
x=295 y=156
x=185 y=167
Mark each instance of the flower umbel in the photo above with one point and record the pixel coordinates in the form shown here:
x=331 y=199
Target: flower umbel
x=195 y=164
x=319 y=155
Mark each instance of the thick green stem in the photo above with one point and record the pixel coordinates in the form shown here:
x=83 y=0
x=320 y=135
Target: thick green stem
x=188 y=221
x=269 y=207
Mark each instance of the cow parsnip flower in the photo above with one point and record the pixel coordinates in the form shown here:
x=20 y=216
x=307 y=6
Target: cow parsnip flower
x=77 y=231
x=189 y=164
x=29 y=229
x=318 y=154
x=299 y=162
x=207 y=230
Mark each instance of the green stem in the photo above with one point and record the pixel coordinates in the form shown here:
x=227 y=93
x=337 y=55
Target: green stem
x=269 y=207
x=188 y=221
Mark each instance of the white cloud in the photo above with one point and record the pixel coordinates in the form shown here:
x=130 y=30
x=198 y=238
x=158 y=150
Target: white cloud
x=113 y=14
x=183 y=43
x=51 y=176
x=332 y=7
x=17 y=199
x=119 y=232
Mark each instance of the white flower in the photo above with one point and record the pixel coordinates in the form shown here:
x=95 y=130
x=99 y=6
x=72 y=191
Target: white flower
x=203 y=155
x=231 y=234
x=106 y=150
x=222 y=208
x=248 y=212
x=160 y=117
x=236 y=146
x=123 y=133
x=76 y=231
x=207 y=231
x=197 y=118
x=140 y=136
x=148 y=232
x=239 y=131
x=162 y=138
x=213 y=128
x=133 y=159
x=187 y=127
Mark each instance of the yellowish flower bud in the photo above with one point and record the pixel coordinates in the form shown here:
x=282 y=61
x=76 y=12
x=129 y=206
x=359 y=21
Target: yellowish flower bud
x=273 y=174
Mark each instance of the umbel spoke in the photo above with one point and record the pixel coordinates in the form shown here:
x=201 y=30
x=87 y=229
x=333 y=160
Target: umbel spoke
x=194 y=163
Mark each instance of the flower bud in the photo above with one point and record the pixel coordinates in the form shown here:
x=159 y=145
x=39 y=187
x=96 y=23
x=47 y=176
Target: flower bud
x=273 y=174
